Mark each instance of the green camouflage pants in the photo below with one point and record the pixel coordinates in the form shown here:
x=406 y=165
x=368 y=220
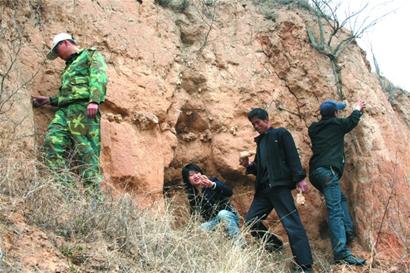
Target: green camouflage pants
x=72 y=133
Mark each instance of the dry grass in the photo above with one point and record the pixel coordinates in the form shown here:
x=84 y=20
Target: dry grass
x=115 y=236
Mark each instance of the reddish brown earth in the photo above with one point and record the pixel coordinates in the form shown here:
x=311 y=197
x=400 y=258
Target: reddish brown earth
x=179 y=92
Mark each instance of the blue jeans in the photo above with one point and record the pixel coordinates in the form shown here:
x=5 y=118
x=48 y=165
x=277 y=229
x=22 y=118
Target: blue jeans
x=339 y=220
x=231 y=221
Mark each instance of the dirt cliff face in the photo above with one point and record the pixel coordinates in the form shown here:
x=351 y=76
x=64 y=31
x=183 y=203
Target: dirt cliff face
x=181 y=83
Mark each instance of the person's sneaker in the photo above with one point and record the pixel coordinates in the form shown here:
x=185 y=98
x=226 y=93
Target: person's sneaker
x=351 y=260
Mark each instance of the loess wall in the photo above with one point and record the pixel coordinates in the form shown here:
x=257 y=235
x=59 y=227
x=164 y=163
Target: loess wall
x=181 y=83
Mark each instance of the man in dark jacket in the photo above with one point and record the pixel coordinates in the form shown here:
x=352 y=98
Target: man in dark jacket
x=326 y=168
x=210 y=198
x=278 y=170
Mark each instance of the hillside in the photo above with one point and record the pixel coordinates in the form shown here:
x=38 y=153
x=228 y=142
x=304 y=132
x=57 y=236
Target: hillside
x=181 y=80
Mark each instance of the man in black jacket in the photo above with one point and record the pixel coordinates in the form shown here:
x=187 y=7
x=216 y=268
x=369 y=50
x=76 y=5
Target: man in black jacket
x=278 y=170
x=326 y=168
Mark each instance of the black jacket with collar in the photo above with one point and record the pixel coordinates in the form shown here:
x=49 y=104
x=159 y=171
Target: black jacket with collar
x=327 y=137
x=283 y=166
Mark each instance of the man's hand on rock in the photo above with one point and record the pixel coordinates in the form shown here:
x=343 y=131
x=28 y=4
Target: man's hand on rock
x=360 y=105
x=39 y=101
x=92 y=110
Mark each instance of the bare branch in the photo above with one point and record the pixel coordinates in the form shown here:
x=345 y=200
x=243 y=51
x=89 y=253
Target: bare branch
x=320 y=13
x=201 y=15
x=210 y=27
x=333 y=43
x=365 y=27
x=9 y=99
x=12 y=84
x=13 y=58
x=354 y=15
x=342 y=45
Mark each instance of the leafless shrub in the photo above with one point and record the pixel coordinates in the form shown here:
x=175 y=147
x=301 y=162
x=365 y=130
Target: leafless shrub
x=333 y=38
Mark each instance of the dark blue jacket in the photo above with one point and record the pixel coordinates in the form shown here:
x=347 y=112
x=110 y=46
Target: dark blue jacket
x=283 y=163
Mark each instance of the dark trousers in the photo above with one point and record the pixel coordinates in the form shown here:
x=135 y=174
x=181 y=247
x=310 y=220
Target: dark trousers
x=280 y=199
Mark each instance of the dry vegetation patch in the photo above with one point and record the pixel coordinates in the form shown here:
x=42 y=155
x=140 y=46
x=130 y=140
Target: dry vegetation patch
x=82 y=234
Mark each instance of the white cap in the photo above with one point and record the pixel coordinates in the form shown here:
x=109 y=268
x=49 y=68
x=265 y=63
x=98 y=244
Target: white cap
x=58 y=38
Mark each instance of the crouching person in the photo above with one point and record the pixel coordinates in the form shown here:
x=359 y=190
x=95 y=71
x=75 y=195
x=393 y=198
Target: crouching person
x=210 y=198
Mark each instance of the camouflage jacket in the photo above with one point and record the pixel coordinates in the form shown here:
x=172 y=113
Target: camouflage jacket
x=84 y=79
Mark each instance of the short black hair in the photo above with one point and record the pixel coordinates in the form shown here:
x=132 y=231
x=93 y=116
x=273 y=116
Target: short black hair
x=189 y=189
x=258 y=113
x=185 y=172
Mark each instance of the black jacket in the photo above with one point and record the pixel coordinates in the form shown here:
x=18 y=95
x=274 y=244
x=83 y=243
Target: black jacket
x=327 y=137
x=283 y=166
x=212 y=201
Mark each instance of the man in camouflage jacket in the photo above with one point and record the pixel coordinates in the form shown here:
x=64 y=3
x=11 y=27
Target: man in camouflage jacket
x=76 y=124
